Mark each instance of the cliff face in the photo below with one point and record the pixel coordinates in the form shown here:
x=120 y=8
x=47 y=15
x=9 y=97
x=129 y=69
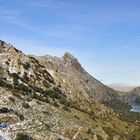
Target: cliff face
x=134 y=95
x=57 y=98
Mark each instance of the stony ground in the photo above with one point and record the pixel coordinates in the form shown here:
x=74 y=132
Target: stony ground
x=49 y=121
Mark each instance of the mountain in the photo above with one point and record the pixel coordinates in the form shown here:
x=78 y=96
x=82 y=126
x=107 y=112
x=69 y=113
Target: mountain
x=61 y=77
x=68 y=71
x=45 y=97
x=121 y=87
x=131 y=97
x=134 y=95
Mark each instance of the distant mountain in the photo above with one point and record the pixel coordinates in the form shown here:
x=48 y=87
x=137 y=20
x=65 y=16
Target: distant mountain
x=134 y=95
x=45 y=97
x=121 y=87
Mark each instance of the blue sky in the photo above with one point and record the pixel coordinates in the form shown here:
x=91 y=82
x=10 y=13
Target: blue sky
x=103 y=34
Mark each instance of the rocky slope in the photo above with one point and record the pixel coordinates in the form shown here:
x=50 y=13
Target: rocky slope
x=62 y=78
x=55 y=98
x=134 y=95
x=77 y=82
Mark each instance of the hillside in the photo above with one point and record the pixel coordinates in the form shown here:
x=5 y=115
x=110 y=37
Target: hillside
x=45 y=97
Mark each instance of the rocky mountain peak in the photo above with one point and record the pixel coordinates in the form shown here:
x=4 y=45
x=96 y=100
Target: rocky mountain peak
x=68 y=56
x=71 y=61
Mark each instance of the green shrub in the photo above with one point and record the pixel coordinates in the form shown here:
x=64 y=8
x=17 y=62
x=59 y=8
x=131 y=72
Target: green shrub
x=7 y=63
x=66 y=109
x=54 y=94
x=5 y=84
x=34 y=60
x=23 y=136
x=25 y=105
x=21 y=117
x=25 y=77
x=24 y=88
x=14 y=75
x=56 y=104
x=15 y=81
x=5 y=110
x=46 y=84
x=99 y=137
x=137 y=100
x=15 y=78
x=11 y=99
x=26 y=66
x=29 y=99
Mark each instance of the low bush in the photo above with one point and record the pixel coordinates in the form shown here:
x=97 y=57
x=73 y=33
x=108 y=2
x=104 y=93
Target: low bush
x=26 y=66
x=25 y=77
x=5 y=110
x=66 y=109
x=25 y=105
x=23 y=136
x=11 y=99
x=56 y=104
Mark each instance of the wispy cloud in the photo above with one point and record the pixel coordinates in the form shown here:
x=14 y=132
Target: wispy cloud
x=54 y=4
x=62 y=31
x=14 y=16
x=47 y=4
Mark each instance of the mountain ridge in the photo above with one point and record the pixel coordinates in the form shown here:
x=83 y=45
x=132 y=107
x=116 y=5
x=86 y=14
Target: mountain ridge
x=58 y=98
